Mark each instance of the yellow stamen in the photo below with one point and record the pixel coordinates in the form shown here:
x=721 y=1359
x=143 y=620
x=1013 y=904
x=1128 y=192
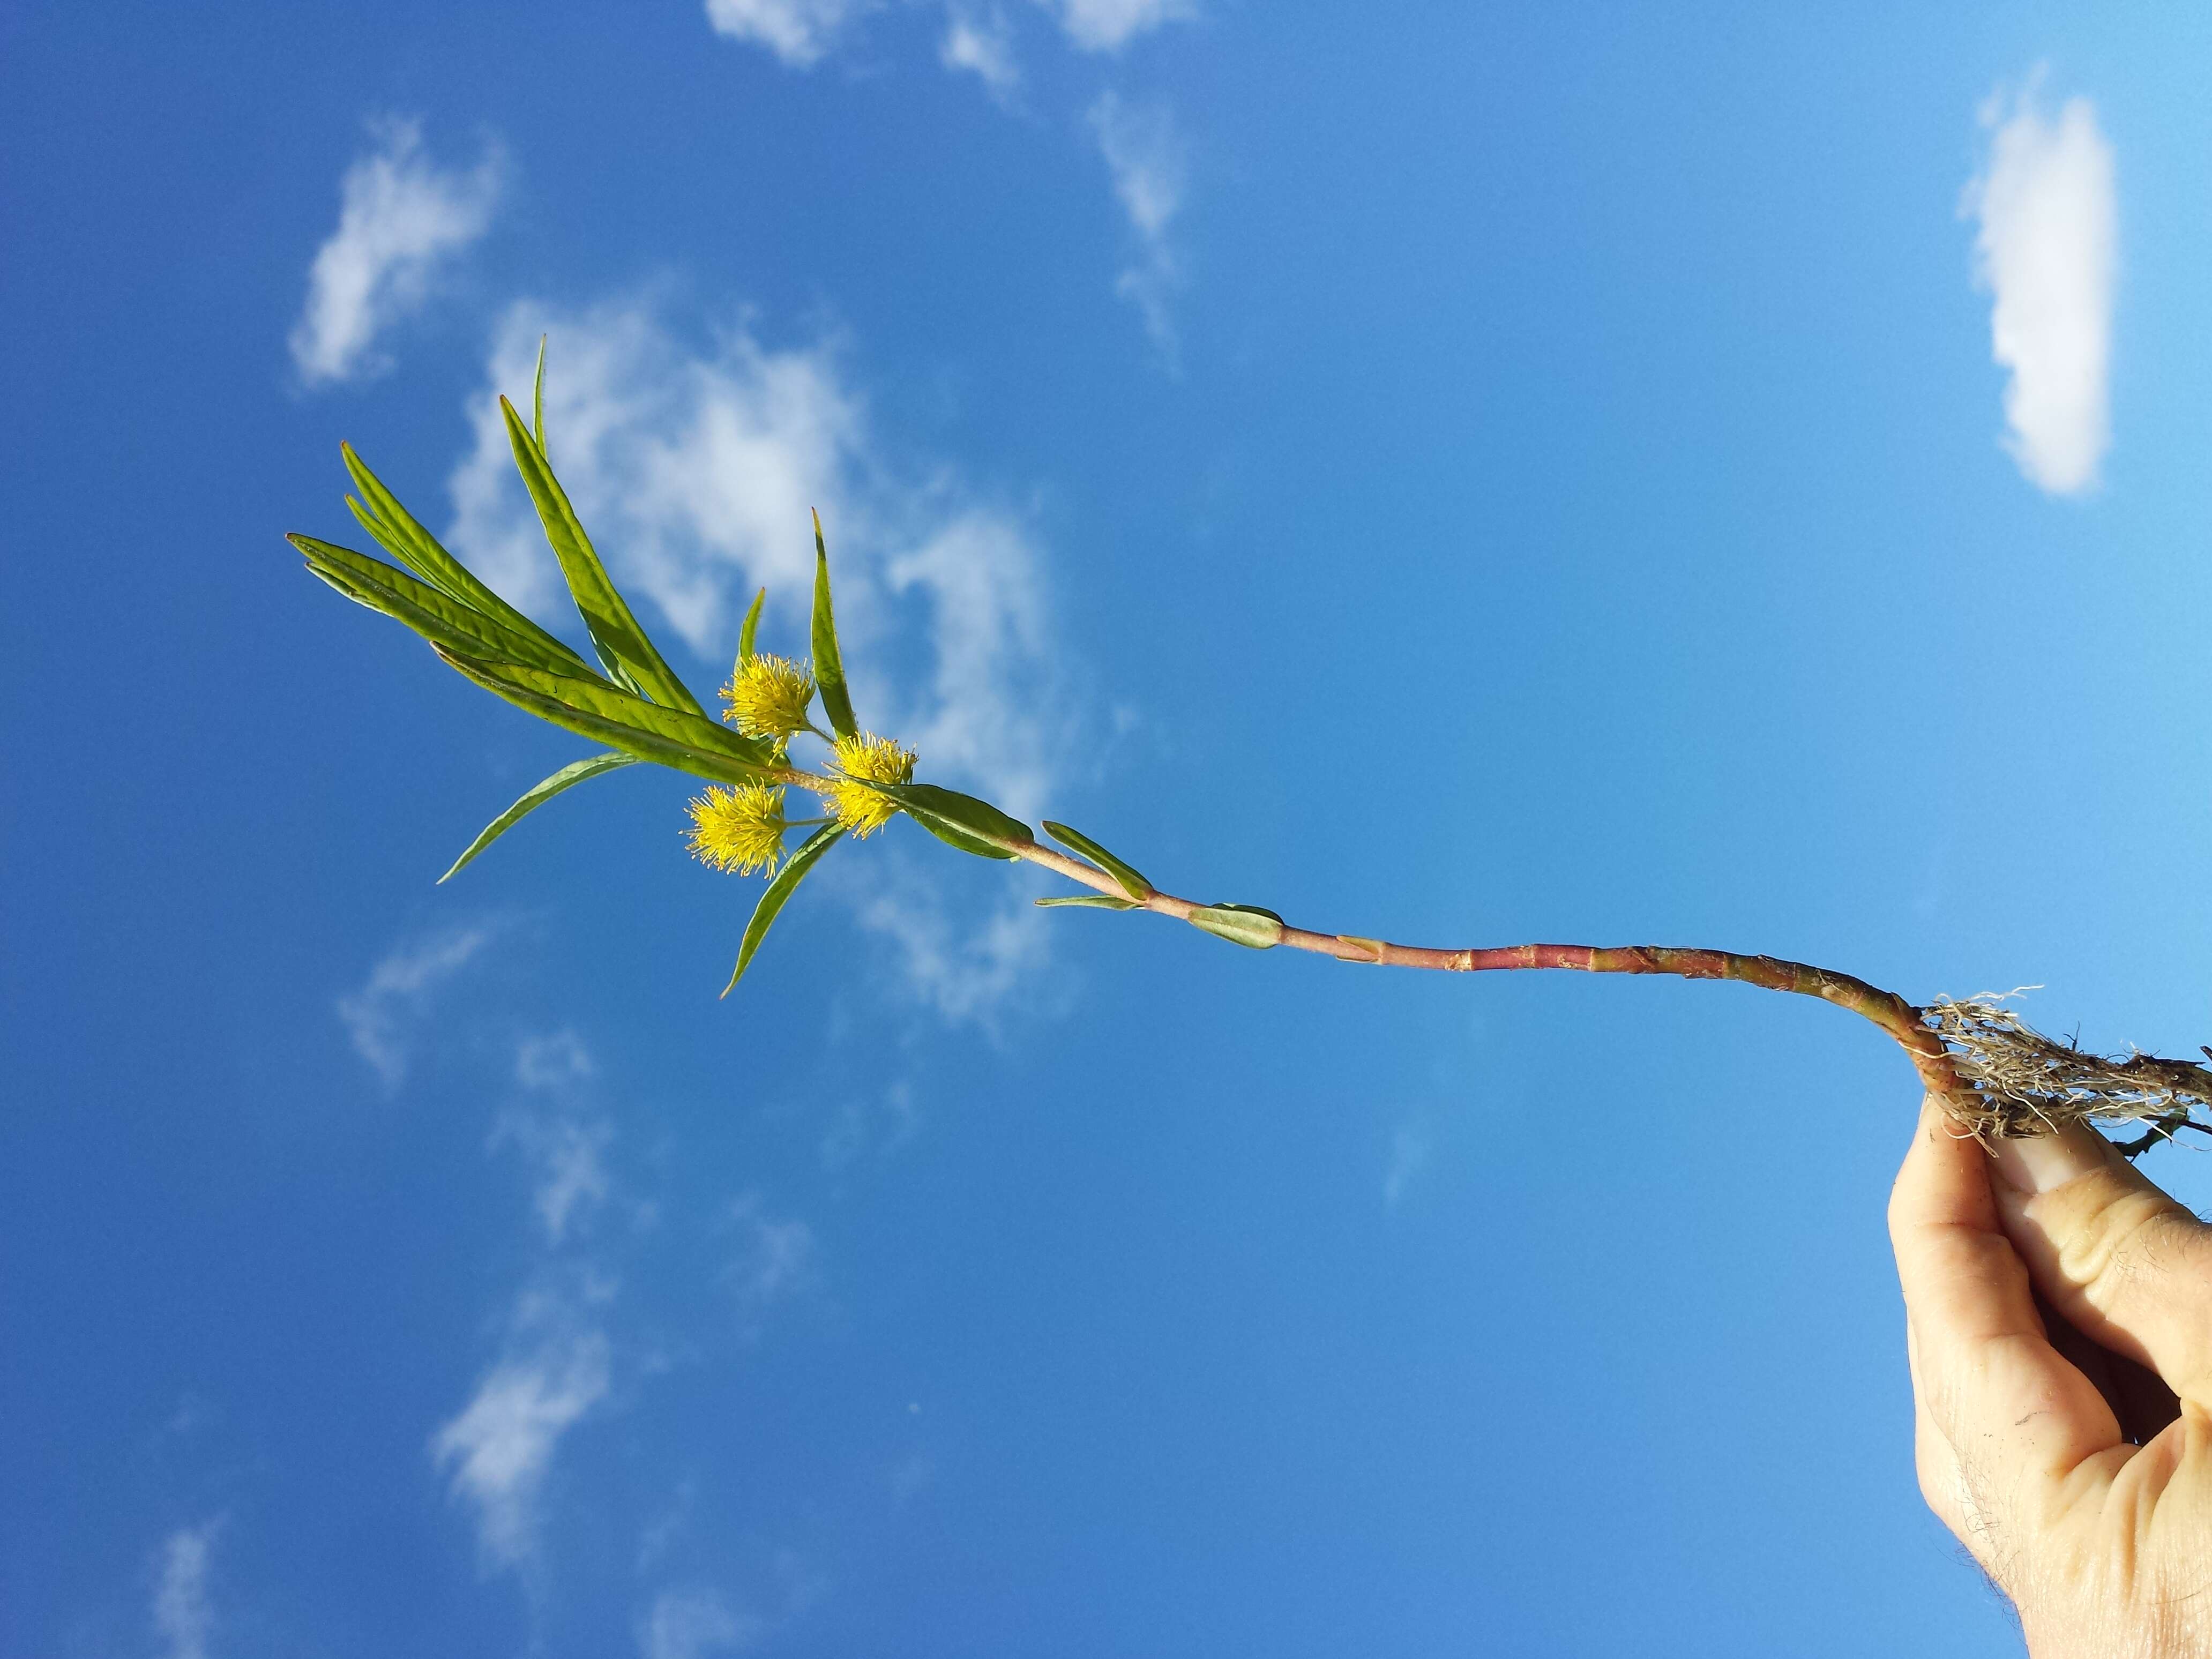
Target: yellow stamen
x=877 y=760
x=739 y=828
x=767 y=697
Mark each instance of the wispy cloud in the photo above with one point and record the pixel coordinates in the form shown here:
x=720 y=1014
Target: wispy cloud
x=774 y=1259
x=381 y=1016
x=870 y=1124
x=801 y=34
x=800 y=31
x=1148 y=161
x=1409 y=1156
x=696 y=464
x=691 y=1624
x=1109 y=25
x=183 y=1615
x=575 y=1350
x=556 y=1361
x=552 y=1060
x=981 y=43
x=2047 y=249
x=695 y=467
x=572 y=1178
x=1145 y=156
x=964 y=968
x=402 y=220
x=500 y=1449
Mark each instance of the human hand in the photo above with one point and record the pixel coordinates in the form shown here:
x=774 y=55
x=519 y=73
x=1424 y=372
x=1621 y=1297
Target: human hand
x=2059 y=1322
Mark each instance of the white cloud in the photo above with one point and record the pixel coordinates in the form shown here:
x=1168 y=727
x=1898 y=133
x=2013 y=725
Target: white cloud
x=401 y=219
x=2047 y=248
x=552 y=1061
x=1146 y=158
x=774 y=1259
x=982 y=44
x=1409 y=1156
x=694 y=470
x=964 y=969
x=691 y=1624
x=1109 y=25
x=381 y=1015
x=694 y=466
x=572 y=1182
x=182 y=1614
x=499 y=1448
x=800 y=31
x=866 y=1125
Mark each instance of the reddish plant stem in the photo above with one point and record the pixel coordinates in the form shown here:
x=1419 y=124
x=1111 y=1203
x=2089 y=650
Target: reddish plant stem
x=1892 y=1012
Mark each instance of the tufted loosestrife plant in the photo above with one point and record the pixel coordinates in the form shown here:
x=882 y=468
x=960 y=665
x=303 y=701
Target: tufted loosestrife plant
x=1997 y=1078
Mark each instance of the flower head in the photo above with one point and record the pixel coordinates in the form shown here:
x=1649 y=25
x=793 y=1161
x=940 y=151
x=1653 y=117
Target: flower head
x=767 y=697
x=874 y=760
x=739 y=828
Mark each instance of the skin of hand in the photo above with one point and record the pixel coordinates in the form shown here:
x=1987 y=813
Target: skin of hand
x=2058 y=1324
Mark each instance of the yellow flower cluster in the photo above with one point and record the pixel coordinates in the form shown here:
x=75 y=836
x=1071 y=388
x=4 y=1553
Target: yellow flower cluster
x=877 y=760
x=767 y=697
x=739 y=828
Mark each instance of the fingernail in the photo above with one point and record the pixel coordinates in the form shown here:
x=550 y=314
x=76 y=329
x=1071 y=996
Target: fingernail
x=2040 y=1163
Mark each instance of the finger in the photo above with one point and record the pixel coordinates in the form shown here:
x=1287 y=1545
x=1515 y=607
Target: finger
x=2119 y=1259
x=2142 y=1403
x=1942 y=1482
x=2012 y=1409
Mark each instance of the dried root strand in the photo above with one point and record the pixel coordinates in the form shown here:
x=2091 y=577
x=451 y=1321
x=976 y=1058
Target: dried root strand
x=2020 y=1083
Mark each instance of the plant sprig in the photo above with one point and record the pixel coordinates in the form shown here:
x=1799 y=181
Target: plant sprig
x=1998 y=1077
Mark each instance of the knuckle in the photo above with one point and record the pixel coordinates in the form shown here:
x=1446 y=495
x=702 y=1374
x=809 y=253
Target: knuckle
x=2134 y=1241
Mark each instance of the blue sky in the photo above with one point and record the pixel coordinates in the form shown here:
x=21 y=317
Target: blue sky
x=1463 y=474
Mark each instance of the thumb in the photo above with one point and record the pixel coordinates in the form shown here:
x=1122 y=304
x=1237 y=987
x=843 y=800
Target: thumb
x=2120 y=1260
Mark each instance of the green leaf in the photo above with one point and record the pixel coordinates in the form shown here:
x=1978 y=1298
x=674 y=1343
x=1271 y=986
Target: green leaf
x=431 y=612
x=567 y=778
x=1088 y=901
x=592 y=695
x=594 y=710
x=979 y=817
x=959 y=838
x=622 y=644
x=751 y=628
x=537 y=398
x=778 y=893
x=401 y=535
x=829 y=665
x=1132 y=884
x=596 y=696
x=972 y=825
x=1240 y=924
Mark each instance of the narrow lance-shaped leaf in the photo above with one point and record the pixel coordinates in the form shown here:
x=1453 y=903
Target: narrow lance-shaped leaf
x=567 y=778
x=430 y=611
x=780 y=890
x=1088 y=901
x=751 y=628
x=611 y=702
x=962 y=821
x=597 y=710
x=622 y=644
x=829 y=665
x=1240 y=924
x=953 y=836
x=537 y=398
x=403 y=536
x=1132 y=884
